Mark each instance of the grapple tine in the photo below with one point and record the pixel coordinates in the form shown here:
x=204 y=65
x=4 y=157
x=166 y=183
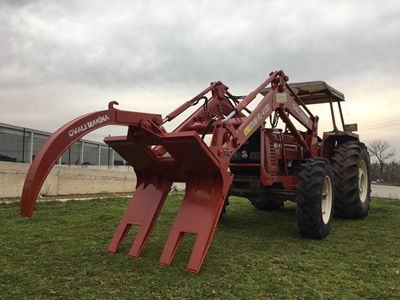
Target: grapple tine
x=152 y=188
x=198 y=214
x=143 y=210
x=207 y=184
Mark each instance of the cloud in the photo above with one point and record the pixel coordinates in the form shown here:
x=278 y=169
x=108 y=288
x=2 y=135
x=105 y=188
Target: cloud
x=133 y=44
x=75 y=56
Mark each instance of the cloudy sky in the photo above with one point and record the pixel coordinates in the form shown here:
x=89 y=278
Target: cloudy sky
x=63 y=59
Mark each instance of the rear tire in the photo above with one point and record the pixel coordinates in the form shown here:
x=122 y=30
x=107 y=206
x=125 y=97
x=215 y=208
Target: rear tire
x=351 y=166
x=315 y=198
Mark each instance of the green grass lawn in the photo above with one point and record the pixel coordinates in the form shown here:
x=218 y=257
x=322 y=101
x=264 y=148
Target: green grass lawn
x=61 y=253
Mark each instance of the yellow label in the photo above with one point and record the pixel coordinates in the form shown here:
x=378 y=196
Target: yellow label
x=281 y=98
x=247 y=130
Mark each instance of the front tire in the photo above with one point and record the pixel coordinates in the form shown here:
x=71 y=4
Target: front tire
x=351 y=166
x=315 y=198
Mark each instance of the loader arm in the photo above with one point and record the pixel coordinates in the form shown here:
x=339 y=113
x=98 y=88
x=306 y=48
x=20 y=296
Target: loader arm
x=278 y=99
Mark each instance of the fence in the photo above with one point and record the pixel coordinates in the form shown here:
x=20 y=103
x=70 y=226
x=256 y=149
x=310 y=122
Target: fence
x=18 y=144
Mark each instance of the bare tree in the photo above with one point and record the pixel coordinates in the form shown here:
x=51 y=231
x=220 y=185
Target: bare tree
x=382 y=151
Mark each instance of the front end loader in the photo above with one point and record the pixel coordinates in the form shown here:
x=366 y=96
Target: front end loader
x=245 y=157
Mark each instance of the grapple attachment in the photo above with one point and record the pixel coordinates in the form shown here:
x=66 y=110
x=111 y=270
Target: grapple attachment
x=189 y=160
x=160 y=158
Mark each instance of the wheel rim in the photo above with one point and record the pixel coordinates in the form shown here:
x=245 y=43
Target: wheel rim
x=362 y=181
x=326 y=200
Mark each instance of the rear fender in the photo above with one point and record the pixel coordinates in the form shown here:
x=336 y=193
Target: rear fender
x=331 y=139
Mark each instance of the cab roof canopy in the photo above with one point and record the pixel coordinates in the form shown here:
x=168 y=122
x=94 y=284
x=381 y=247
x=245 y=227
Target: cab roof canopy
x=313 y=92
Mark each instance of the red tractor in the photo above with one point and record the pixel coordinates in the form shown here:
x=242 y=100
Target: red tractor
x=275 y=165
x=247 y=156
